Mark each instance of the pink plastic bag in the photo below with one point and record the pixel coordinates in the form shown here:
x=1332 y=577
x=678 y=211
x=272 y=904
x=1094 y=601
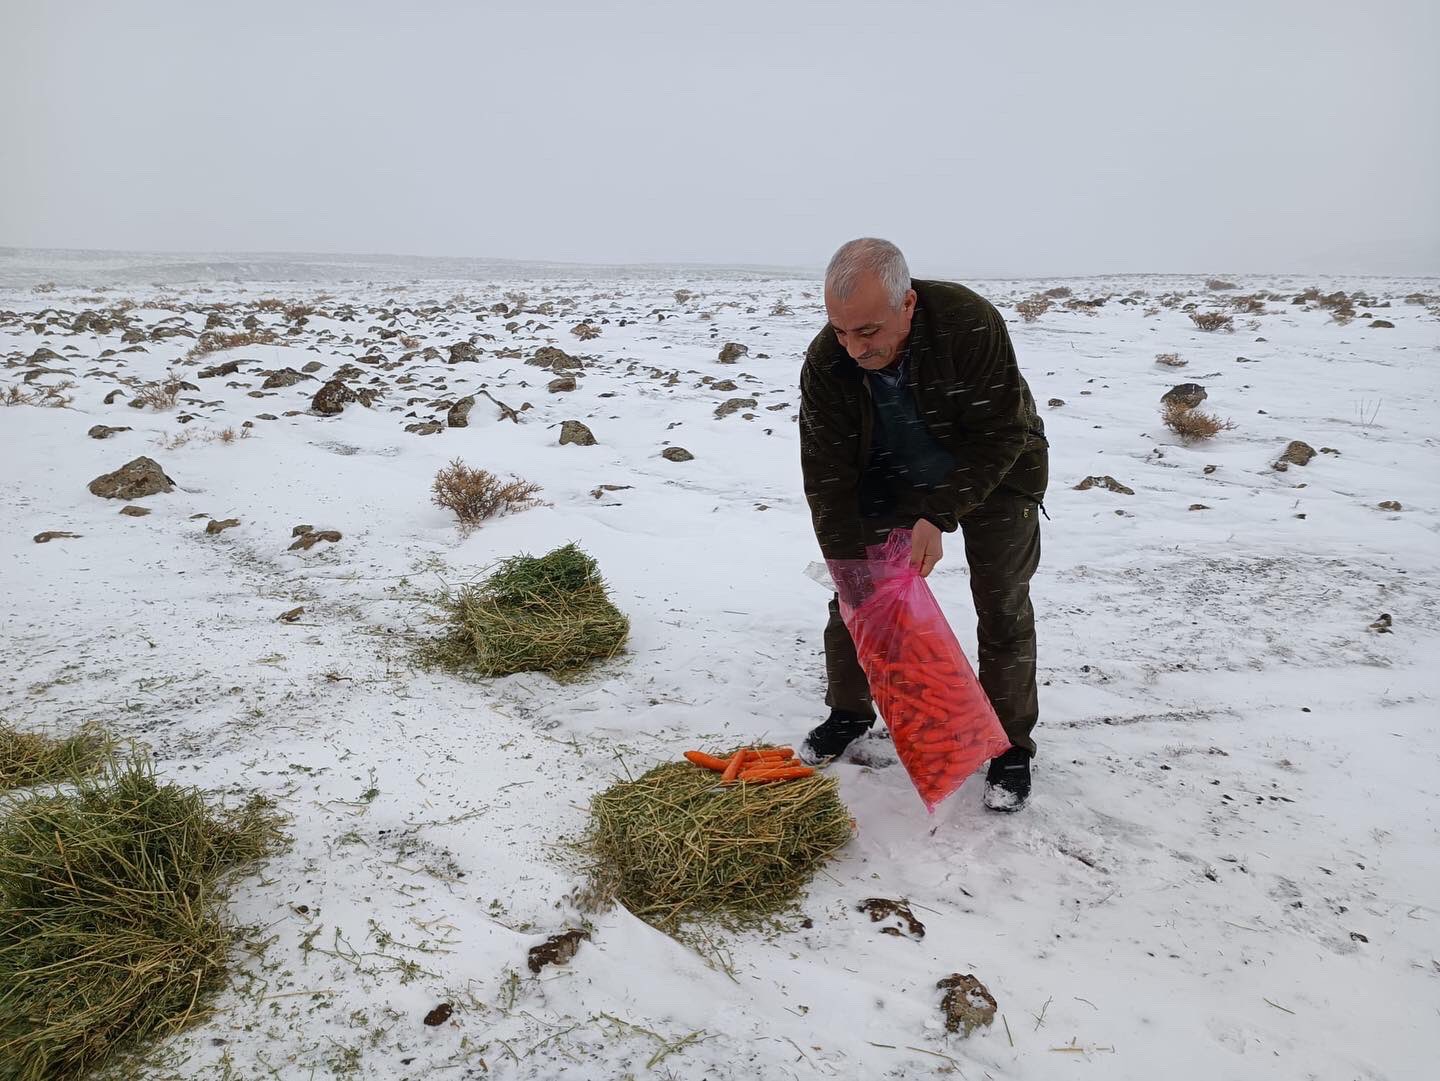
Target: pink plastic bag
x=939 y=716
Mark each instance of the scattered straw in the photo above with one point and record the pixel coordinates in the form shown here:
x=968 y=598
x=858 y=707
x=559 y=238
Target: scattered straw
x=674 y=846
x=547 y=613
x=114 y=932
x=34 y=758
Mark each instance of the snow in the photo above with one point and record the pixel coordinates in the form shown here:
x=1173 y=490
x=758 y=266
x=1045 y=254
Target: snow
x=1237 y=778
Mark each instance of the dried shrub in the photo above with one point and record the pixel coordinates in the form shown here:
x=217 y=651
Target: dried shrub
x=1193 y=425
x=216 y=341
x=1033 y=308
x=1217 y=284
x=47 y=397
x=159 y=395
x=682 y=296
x=781 y=308
x=1170 y=360
x=1060 y=292
x=1212 y=320
x=477 y=494
x=1248 y=304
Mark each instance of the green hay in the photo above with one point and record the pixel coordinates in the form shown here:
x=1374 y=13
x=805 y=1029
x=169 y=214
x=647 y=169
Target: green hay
x=547 y=613
x=114 y=933
x=673 y=846
x=34 y=758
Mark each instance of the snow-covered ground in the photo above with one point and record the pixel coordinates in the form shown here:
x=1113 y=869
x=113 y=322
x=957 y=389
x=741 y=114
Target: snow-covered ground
x=1229 y=868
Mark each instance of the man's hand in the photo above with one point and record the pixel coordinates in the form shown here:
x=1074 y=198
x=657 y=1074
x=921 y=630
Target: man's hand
x=925 y=547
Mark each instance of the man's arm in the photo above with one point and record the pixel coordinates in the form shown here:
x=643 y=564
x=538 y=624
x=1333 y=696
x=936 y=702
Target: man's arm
x=991 y=430
x=830 y=466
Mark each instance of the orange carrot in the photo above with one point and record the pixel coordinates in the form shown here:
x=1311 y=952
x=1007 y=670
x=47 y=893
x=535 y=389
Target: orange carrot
x=732 y=768
x=779 y=773
x=708 y=761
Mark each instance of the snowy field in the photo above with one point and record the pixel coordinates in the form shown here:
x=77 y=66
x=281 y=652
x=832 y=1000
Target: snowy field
x=1231 y=864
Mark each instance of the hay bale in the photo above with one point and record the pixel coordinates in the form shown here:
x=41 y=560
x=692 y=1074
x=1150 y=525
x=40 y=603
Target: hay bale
x=34 y=758
x=547 y=613
x=674 y=846
x=114 y=933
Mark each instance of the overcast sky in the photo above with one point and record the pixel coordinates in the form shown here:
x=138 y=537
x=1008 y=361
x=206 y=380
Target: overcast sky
x=985 y=138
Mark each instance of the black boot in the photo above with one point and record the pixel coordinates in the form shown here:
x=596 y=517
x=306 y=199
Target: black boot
x=831 y=738
x=1007 y=781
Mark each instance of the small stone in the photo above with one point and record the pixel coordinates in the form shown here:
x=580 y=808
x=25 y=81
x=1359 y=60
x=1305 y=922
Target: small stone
x=1188 y=395
x=1383 y=324
x=292 y=615
x=104 y=431
x=677 y=454
x=1198 y=506
x=1210 y=468
x=967 y=1004
x=1056 y=403
x=723 y=384
x=584 y=331
x=734 y=405
x=215 y=527
x=730 y=352
x=556 y=360
x=301 y=530
x=439 y=1015
x=1390 y=504
x=561 y=384
x=459 y=415
x=332 y=398
x=1297 y=452
x=133 y=511
x=311 y=367
x=116 y=393
x=572 y=431
x=463 y=351
x=285 y=377
x=53 y=534
x=1109 y=483
x=309 y=540
x=134 y=480
x=556 y=950
x=425 y=427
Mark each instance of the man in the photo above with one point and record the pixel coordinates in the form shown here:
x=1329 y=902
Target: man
x=913 y=414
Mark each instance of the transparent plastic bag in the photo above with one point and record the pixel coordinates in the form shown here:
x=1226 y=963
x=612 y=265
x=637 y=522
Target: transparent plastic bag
x=939 y=716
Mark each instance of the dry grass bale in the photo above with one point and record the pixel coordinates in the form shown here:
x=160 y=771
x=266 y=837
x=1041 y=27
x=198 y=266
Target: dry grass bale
x=33 y=758
x=1192 y=425
x=477 y=494
x=547 y=613
x=1212 y=320
x=1033 y=308
x=115 y=933
x=674 y=846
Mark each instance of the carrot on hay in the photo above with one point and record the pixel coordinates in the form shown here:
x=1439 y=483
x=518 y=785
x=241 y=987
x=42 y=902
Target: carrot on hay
x=777 y=773
x=733 y=767
x=708 y=761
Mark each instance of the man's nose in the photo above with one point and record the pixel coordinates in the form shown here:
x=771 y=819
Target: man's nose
x=857 y=350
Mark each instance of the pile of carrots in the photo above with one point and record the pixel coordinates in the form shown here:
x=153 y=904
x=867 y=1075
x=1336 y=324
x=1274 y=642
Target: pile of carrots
x=753 y=765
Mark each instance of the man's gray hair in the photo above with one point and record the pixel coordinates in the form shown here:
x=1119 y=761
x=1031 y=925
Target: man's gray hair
x=868 y=255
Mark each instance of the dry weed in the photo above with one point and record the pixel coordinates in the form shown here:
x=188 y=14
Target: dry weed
x=477 y=494
x=1212 y=320
x=1033 y=308
x=1193 y=425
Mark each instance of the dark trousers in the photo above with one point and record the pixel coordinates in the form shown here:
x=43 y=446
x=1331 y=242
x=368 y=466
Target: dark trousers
x=1002 y=546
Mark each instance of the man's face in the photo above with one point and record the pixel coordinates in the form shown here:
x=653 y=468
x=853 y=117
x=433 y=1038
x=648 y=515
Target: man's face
x=868 y=328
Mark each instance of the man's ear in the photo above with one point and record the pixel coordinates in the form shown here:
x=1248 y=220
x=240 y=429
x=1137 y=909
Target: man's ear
x=908 y=304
